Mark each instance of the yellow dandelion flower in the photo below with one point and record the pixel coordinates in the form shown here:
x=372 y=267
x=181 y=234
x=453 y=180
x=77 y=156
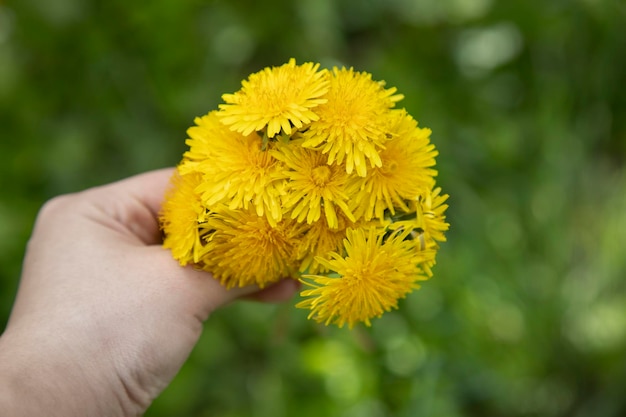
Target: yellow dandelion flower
x=201 y=141
x=406 y=171
x=312 y=185
x=236 y=170
x=353 y=122
x=430 y=209
x=320 y=239
x=181 y=218
x=245 y=249
x=427 y=224
x=375 y=273
x=276 y=98
x=429 y=215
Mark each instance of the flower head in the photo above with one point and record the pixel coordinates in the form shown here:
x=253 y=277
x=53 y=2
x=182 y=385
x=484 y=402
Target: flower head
x=312 y=185
x=354 y=120
x=430 y=212
x=236 y=170
x=375 y=273
x=406 y=171
x=201 y=141
x=320 y=239
x=245 y=249
x=276 y=98
x=427 y=223
x=181 y=218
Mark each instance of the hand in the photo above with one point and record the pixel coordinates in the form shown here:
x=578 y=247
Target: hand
x=104 y=316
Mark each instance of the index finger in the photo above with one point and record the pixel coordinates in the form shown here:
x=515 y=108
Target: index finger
x=134 y=202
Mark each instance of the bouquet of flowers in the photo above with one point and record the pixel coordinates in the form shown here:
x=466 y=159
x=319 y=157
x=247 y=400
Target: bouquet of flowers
x=310 y=174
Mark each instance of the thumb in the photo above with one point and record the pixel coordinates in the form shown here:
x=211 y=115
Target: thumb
x=202 y=293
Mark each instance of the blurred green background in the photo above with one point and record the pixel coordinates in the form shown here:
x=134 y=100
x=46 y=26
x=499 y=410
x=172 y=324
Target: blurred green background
x=526 y=314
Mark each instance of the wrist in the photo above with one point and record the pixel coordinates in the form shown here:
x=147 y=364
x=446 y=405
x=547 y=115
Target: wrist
x=39 y=377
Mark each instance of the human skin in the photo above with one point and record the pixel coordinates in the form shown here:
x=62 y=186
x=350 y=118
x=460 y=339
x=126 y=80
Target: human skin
x=104 y=316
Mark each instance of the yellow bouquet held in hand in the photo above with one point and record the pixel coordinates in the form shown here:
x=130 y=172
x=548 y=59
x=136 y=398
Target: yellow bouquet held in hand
x=310 y=174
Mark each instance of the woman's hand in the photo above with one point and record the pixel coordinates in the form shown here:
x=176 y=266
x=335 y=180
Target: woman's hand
x=104 y=317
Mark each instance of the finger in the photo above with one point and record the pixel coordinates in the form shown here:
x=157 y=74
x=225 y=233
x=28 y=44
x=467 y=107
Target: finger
x=276 y=293
x=216 y=295
x=197 y=291
x=135 y=202
x=201 y=292
x=148 y=188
